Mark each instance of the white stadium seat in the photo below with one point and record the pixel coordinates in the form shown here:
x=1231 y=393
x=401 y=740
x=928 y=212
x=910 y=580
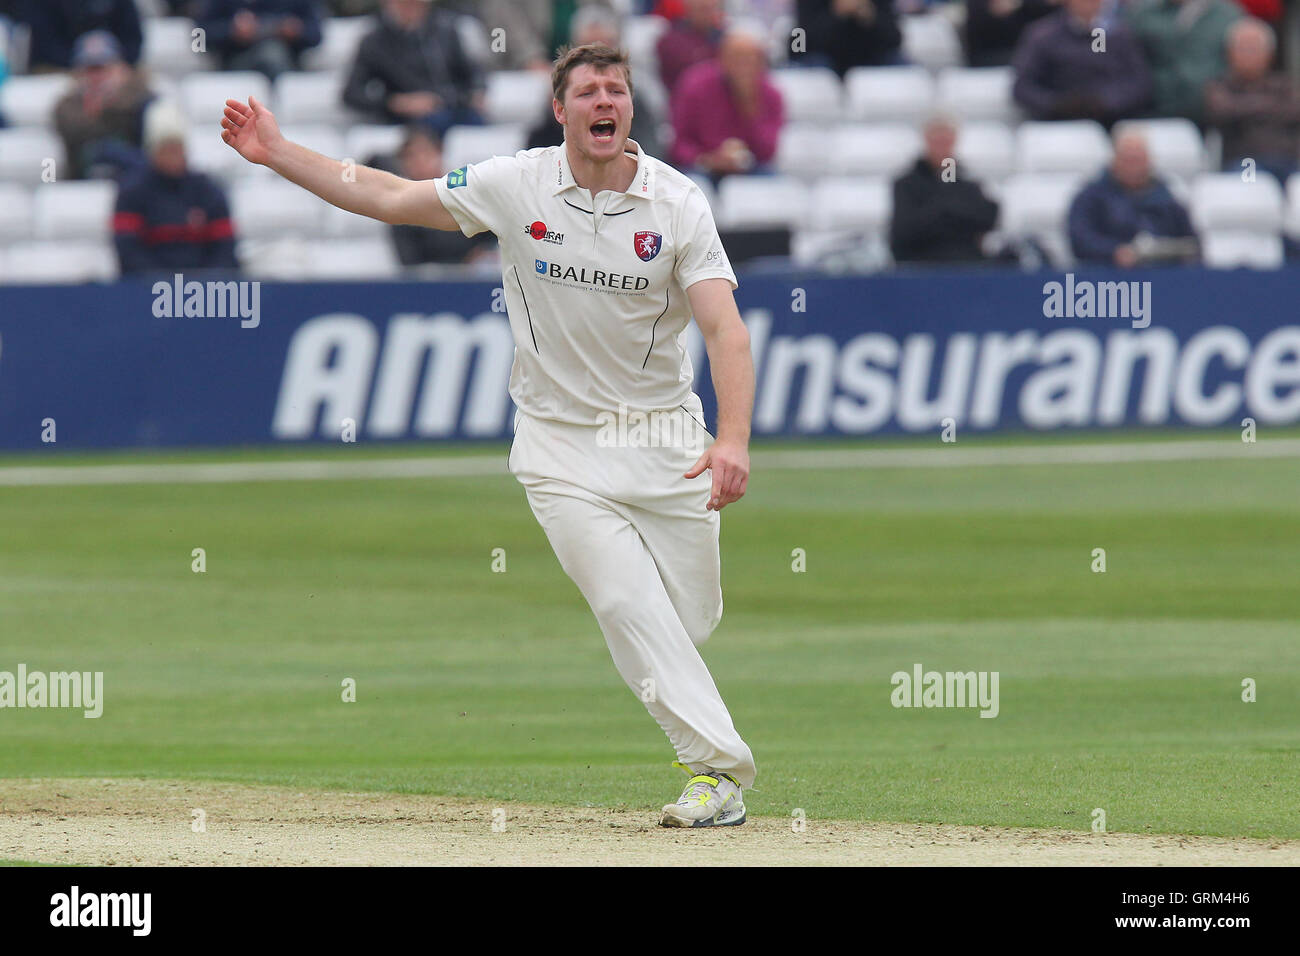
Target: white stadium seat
x=931 y=40
x=517 y=96
x=1070 y=146
x=877 y=149
x=25 y=152
x=1224 y=201
x=340 y=224
x=340 y=37
x=207 y=152
x=75 y=210
x=204 y=95
x=1037 y=205
x=168 y=47
x=889 y=93
x=1240 y=223
x=977 y=93
x=803 y=149
x=1174 y=144
x=346 y=259
x=273 y=208
x=50 y=262
x=29 y=100
x=1291 y=218
x=311 y=98
x=640 y=36
x=756 y=202
x=1232 y=249
x=325 y=140
x=812 y=95
x=853 y=203
x=473 y=144
x=17 y=212
x=365 y=141
x=986 y=151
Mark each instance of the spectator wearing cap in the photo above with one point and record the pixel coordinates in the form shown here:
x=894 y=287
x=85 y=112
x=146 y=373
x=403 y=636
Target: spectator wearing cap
x=168 y=217
x=691 y=38
x=1184 y=42
x=727 y=115
x=938 y=215
x=1126 y=201
x=1059 y=75
x=843 y=34
x=268 y=36
x=420 y=158
x=593 y=24
x=101 y=118
x=57 y=24
x=1256 y=109
x=413 y=68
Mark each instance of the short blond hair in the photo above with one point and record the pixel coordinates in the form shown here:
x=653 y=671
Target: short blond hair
x=599 y=55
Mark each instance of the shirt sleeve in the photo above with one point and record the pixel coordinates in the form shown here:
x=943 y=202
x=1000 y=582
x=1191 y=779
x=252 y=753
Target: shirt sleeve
x=479 y=196
x=699 y=249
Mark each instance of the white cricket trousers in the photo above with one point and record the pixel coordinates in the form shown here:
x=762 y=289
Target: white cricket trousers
x=637 y=540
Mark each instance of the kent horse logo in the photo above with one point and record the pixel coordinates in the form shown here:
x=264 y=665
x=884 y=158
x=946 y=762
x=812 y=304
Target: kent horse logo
x=647 y=245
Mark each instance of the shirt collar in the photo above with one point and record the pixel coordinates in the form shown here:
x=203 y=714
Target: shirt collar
x=643 y=183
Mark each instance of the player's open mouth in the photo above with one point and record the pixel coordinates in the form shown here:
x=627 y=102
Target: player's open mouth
x=602 y=131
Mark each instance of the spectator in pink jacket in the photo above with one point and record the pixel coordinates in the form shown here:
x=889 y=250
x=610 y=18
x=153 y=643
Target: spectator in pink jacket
x=727 y=115
x=692 y=38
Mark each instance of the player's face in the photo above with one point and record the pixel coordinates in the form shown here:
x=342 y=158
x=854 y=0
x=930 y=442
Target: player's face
x=597 y=112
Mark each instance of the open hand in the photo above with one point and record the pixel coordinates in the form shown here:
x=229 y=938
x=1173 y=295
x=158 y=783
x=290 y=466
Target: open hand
x=729 y=464
x=251 y=130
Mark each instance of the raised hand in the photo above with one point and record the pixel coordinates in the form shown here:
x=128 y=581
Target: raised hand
x=251 y=130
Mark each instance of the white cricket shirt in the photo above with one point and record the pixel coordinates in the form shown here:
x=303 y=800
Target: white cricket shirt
x=595 y=287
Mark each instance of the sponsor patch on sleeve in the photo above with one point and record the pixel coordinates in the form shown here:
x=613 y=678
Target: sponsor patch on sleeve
x=456 y=178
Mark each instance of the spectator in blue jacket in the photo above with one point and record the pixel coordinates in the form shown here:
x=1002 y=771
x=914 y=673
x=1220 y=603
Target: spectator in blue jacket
x=56 y=25
x=268 y=36
x=1071 y=65
x=1125 y=202
x=169 y=218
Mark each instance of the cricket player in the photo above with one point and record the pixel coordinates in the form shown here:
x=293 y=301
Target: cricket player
x=606 y=254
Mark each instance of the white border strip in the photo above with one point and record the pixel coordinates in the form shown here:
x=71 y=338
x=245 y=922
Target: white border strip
x=472 y=466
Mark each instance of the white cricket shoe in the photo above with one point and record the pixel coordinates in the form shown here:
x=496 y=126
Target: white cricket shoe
x=711 y=799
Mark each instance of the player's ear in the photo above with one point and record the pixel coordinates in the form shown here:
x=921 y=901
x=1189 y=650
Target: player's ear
x=558 y=108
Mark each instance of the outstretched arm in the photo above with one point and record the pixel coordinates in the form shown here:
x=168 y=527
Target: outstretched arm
x=727 y=342
x=251 y=130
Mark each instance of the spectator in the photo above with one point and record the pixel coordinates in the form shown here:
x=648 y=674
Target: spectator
x=1059 y=74
x=691 y=39
x=413 y=68
x=268 y=36
x=169 y=219
x=843 y=34
x=420 y=157
x=1256 y=110
x=994 y=26
x=939 y=217
x=526 y=26
x=101 y=118
x=595 y=24
x=56 y=25
x=1123 y=209
x=727 y=115
x=1184 y=44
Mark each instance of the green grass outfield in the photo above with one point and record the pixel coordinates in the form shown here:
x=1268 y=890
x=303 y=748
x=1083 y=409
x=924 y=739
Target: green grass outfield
x=1119 y=690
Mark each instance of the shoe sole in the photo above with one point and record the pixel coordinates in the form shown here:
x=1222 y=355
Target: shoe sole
x=669 y=819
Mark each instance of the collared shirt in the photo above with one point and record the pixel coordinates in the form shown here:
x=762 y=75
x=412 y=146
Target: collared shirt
x=595 y=286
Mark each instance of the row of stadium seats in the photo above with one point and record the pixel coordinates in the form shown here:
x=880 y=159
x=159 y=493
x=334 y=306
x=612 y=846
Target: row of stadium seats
x=984 y=151
x=930 y=40
x=1240 y=223
x=814 y=95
